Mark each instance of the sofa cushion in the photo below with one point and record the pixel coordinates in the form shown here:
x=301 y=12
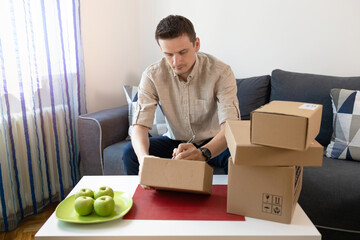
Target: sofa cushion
x=345 y=142
x=330 y=194
x=252 y=93
x=311 y=88
x=159 y=125
x=113 y=163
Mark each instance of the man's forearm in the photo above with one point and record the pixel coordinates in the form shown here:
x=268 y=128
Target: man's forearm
x=218 y=144
x=140 y=141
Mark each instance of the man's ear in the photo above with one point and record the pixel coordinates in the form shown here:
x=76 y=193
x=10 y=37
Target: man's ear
x=197 y=44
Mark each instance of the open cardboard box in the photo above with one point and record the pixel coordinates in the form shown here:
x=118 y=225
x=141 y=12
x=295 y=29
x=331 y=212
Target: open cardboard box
x=177 y=175
x=237 y=135
x=284 y=124
x=269 y=193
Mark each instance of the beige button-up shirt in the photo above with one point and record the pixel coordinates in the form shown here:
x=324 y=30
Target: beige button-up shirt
x=195 y=107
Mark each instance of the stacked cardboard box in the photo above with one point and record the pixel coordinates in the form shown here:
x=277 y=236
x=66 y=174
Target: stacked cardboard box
x=267 y=158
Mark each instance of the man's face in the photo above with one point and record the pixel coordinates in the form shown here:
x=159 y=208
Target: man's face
x=180 y=53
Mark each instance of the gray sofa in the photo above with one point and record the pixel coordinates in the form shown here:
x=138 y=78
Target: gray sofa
x=330 y=195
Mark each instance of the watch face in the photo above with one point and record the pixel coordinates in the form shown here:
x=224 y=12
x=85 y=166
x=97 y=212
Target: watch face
x=206 y=152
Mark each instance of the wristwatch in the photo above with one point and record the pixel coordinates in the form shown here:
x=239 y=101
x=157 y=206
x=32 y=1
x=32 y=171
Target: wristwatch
x=206 y=153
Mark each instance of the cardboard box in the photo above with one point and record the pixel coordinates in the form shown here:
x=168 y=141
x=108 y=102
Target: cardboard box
x=268 y=193
x=177 y=175
x=237 y=135
x=291 y=125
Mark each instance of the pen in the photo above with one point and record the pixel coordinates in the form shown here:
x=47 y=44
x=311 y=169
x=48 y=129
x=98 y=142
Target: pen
x=189 y=141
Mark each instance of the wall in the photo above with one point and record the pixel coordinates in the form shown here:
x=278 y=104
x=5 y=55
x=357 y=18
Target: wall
x=253 y=36
x=110 y=39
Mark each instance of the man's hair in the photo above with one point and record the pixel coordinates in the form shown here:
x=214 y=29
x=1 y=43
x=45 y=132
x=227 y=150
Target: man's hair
x=174 y=26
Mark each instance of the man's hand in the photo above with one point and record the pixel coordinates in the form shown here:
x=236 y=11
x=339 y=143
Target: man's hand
x=140 y=141
x=141 y=161
x=188 y=151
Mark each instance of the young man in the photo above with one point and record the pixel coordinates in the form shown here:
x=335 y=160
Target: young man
x=197 y=94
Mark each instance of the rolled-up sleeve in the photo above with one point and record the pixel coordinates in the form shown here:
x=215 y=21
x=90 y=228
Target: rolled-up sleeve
x=228 y=104
x=146 y=103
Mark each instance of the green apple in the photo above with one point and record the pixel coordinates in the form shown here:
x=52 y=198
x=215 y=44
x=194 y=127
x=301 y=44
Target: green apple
x=84 y=205
x=84 y=192
x=104 y=206
x=103 y=191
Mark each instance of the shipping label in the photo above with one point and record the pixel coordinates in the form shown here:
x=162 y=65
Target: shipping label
x=309 y=106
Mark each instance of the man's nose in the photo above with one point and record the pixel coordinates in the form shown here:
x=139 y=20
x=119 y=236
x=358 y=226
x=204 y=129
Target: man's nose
x=177 y=60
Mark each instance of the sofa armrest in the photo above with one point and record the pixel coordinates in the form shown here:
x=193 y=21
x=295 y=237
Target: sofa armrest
x=97 y=131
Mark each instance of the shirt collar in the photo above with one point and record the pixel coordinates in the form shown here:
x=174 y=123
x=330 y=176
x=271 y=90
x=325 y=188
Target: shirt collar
x=195 y=68
x=193 y=71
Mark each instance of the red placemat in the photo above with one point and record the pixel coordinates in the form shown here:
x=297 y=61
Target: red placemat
x=169 y=205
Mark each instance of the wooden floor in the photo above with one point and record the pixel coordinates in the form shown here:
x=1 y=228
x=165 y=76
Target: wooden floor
x=29 y=225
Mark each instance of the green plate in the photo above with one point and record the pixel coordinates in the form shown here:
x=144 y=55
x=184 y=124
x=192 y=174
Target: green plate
x=65 y=211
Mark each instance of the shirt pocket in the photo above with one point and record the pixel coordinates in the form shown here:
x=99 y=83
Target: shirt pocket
x=202 y=110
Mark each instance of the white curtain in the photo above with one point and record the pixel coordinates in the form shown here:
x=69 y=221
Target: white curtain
x=42 y=94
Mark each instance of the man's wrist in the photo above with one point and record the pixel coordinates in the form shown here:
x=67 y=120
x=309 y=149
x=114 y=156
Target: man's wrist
x=203 y=158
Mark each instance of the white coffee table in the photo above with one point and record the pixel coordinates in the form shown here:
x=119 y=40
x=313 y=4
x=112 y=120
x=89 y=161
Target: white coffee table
x=301 y=227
